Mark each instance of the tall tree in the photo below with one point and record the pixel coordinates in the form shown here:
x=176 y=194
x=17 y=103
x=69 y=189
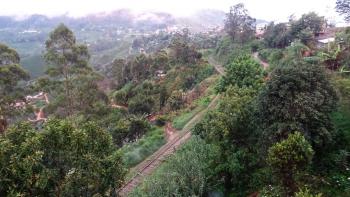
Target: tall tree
x=182 y=51
x=140 y=68
x=10 y=74
x=277 y=36
x=299 y=97
x=239 y=25
x=231 y=129
x=116 y=71
x=160 y=61
x=311 y=22
x=66 y=59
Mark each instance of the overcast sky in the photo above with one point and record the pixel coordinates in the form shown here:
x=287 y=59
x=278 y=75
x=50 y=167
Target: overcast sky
x=263 y=9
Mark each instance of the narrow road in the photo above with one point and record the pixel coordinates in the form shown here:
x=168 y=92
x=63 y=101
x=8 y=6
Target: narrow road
x=146 y=167
x=256 y=57
x=218 y=67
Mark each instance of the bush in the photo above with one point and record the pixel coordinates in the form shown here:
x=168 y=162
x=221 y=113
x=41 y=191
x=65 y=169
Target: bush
x=264 y=54
x=120 y=97
x=226 y=50
x=271 y=191
x=141 y=105
x=256 y=45
x=275 y=56
x=187 y=173
x=175 y=100
x=205 y=71
x=272 y=56
x=161 y=121
x=288 y=158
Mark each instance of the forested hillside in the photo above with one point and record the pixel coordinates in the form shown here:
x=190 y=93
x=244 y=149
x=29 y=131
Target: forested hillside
x=281 y=127
x=107 y=35
x=98 y=107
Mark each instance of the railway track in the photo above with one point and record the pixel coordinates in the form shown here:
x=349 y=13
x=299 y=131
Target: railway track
x=149 y=165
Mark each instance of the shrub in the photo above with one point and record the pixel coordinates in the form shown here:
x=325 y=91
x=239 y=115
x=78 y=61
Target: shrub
x=187 y=173
x=256 y=45
x=288 y=157
x=161 y=120
x=175 y=100
x=306 y=193
x=120 y=96
x=141 y=105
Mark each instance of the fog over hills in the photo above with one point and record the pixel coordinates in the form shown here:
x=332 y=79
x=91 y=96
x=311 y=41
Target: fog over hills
x=122 y=18
x=108 y=34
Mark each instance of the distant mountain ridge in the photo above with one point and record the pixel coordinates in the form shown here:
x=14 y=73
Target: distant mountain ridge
x=108 y=35
x=122 y=18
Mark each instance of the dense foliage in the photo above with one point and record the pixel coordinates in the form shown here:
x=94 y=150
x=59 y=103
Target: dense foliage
x=305 y=30
x=60 y=160
x=287 y=158
x=11 y=73
x=242 y=72
x=280 y=138
x=297 y=97
x=280 y=126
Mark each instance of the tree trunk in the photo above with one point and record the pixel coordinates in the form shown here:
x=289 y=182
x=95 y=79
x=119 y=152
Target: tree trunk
x=289 y=184
x=67 y=90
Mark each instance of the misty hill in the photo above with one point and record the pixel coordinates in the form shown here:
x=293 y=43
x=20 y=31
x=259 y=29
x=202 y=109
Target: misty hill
x=108 y=35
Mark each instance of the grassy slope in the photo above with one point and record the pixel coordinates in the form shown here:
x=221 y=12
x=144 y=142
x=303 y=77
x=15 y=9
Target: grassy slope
x=185 y=115
x=341 y=118
x=180 y=121
x=136 y=152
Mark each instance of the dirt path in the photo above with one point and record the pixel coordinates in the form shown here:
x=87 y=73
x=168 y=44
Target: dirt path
x=40 y=115
x=170 y=132
x=146 y=167
x=256 y=57
x=218 y=67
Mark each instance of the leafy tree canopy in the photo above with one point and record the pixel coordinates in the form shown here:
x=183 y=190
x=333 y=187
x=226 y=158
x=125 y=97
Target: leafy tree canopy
x=60 y=160
x=343 y=8
x=10 y=74
x=242 y=72
x=277 y=36
x=239 y=25
x=289 y=157
x=298 y=97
